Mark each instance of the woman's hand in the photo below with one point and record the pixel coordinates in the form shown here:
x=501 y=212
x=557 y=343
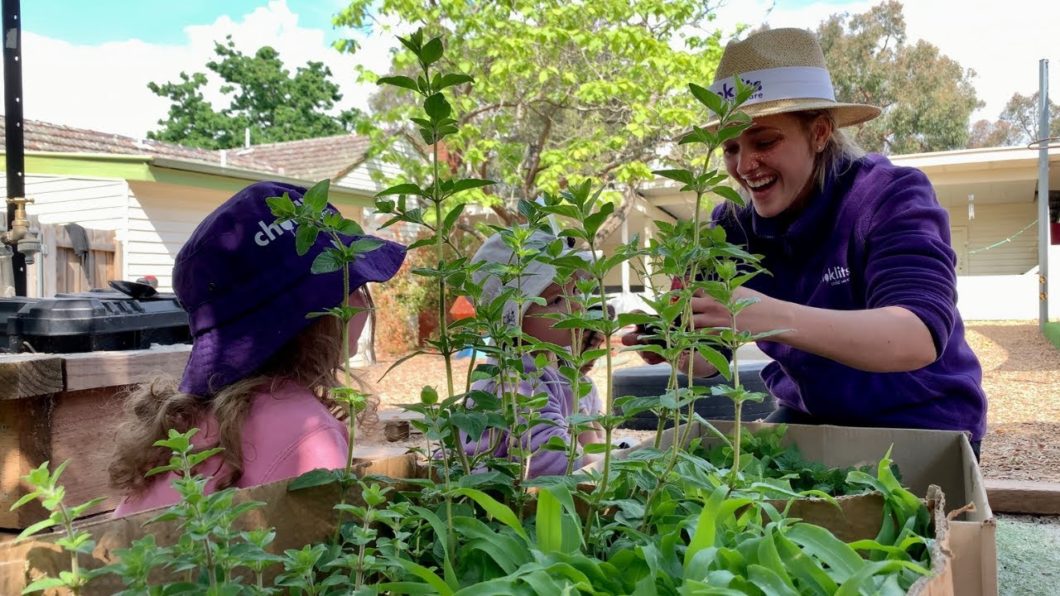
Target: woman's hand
x=766 y=314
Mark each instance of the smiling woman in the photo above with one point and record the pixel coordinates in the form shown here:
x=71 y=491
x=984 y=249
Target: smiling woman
x=863 y=273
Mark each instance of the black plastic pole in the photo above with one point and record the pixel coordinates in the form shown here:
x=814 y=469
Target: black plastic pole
x=14 y=143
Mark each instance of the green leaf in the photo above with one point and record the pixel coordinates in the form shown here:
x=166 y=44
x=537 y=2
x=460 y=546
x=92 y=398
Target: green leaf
x=451 y=80
x=469 y=183
x=44 y=583
x=437 y=583
x=843 y=560
x=453 y=215
x=706 y=526
x=34 y=528
x=402 y=189
x=770 y=582
x=281 y=207
x=549 y=522
x=708 y=98
x=348 y=227
x=729 y=194
x=304 y=238
x=683 y=176
x=442 y=536
x=431 y=52
x=317 y=477
x=594 y=221
x=437 y=107
x=316 y=198
x=495 y=509
x=398 y=81
x=26 y=498
x=327 y=261
x=861 y=580
x=717 y=360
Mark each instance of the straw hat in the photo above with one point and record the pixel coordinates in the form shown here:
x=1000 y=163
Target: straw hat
x=787 y=67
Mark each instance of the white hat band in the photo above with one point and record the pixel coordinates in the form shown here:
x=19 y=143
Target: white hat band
x=787 y=82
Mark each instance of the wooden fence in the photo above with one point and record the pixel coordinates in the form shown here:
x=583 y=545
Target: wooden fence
x=62 y=270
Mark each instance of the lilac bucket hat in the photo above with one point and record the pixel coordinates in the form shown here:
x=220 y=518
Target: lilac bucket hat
x=246 y=290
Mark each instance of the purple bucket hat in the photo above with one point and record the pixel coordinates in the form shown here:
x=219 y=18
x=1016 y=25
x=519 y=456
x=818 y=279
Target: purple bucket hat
x=246 y=290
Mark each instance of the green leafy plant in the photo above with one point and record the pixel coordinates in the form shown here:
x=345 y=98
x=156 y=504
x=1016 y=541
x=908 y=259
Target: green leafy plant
x=693 y=518
x=45 y=488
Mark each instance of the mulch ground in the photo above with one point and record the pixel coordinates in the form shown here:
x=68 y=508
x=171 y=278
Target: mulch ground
x=1021 y=376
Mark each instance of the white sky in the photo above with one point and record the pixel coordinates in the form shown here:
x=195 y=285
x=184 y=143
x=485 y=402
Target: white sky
x=104 y=87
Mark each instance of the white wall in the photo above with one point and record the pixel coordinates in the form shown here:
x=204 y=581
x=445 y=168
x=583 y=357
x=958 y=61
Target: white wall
x=995 y=223
x=97 y=203
x=161 y=218
x=1009 y=297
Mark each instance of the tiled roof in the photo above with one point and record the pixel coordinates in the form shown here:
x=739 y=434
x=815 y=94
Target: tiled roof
x=309 y=159
x=313 y=159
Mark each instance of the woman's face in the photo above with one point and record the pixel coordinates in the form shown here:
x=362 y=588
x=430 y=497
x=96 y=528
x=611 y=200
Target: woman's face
x=773 y=161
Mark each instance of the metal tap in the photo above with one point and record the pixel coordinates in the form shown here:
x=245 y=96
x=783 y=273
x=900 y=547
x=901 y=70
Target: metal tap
x=20 y=236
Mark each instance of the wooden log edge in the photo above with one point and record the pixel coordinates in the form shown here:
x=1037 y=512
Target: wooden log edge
x=1023 y=496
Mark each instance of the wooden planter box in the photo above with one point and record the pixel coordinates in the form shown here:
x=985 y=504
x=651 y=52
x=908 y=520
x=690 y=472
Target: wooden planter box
x=301 y=517
x=55 y=407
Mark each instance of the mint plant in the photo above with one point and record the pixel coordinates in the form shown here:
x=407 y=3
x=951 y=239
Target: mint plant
x=692 y=519
x=45 y=488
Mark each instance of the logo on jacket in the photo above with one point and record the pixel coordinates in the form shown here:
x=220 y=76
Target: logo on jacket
x=836 y=276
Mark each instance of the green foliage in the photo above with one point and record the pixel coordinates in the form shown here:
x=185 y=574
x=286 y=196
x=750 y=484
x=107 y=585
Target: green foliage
x=654 y=522
x=263 y=97
x=927 y=97
x=1017 y=125
x=564 y=91
x=45 y=488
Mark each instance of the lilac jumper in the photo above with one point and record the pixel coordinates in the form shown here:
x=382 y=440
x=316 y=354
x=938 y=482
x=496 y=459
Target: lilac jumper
x=560 y=405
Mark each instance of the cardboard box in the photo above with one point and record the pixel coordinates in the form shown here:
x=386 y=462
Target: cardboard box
x=299 y=518
x=924 y=458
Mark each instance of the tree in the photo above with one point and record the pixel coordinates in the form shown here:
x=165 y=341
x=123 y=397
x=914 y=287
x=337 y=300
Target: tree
x=927 y=98
x=1017 y=125
x=563 y=89
x=264 y=97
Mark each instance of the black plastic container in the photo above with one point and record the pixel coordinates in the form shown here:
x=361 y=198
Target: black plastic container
x=91 y=321
x=647 y=381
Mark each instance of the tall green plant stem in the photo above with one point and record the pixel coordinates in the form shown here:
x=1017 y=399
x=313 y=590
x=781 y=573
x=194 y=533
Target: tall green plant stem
x=737 y=403
x=439 y=252
x=361 y=549
x=351 y=421
x=609 y=389
x=197 y=516
x=75 y=567
x=681 y=434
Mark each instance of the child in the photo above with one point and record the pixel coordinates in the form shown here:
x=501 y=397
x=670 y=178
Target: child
x=257 y=379
x=538 y=279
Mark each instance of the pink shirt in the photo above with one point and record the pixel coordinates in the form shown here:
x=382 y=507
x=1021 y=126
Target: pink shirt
x=286 y=432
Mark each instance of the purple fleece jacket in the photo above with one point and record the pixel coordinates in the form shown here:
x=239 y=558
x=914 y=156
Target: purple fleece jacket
x=875 y=236
x=560 y=405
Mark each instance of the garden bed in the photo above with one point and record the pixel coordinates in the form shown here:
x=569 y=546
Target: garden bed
x=299 y=518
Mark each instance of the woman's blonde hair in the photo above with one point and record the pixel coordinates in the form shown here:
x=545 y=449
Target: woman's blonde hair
x=311 y=360
x=839 y=152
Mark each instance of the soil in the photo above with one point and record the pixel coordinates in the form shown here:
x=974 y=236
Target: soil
x=1021 y=376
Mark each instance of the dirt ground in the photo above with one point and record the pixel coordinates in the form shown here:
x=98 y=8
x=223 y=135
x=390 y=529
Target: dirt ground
x=1021 y=376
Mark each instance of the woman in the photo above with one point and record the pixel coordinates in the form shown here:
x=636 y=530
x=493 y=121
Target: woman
x=863 y=276
x=257 y=380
